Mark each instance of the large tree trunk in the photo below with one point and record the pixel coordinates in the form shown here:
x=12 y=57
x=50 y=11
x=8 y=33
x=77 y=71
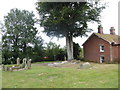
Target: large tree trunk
x=69 y=45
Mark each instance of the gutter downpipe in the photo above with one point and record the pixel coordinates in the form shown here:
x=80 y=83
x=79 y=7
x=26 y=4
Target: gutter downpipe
x=111 y=57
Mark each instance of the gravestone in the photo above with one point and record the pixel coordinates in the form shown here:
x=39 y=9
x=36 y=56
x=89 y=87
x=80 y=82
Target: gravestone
x=29 y=63
x=18 y=61
x=24 y=63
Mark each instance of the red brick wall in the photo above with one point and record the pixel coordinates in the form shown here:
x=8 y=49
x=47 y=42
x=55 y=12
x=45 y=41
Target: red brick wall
x=115 y=52
x=92 y=49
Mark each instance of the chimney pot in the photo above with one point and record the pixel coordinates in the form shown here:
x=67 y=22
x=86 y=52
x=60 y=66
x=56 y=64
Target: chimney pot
x=100 y=29
x=112 y=31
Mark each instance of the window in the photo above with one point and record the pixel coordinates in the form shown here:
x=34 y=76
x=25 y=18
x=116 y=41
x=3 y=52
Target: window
x=102 y=59
x=101 y=48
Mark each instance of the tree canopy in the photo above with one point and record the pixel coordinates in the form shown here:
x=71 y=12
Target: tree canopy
x=54 y=52
x=19 y=34
x=61 y=18
x=68 y=19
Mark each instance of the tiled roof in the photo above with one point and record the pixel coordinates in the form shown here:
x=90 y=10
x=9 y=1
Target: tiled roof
x=109 y=38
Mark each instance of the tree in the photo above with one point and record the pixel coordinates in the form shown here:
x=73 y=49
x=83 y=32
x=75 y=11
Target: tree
x=81 y=56
x=38 y=50
x=61 y=55
x=76 y=50
x=54 y=52
x=19 y=34
x=51 y=50
x=68 y=19
x=1 y=28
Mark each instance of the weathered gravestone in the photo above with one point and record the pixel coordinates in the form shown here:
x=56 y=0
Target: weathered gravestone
x=29 y=63
x=24 y=63
x=18 y=61
x=85 y=65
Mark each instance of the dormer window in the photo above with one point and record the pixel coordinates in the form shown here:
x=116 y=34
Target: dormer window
x=101 y=48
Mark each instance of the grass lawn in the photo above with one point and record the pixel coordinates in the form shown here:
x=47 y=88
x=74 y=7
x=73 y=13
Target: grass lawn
x=99 y=76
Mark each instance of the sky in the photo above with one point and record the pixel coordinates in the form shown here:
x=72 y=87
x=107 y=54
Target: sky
x=109 y=18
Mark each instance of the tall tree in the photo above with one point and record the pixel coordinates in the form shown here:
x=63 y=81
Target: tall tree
x=38 y=50
x=68 y=19
x=19 y=33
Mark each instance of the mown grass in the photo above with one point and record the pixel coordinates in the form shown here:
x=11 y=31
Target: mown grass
x=100 y=76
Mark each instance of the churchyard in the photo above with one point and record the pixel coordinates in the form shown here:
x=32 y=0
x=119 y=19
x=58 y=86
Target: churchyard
x=22 y=36
x=64 y=74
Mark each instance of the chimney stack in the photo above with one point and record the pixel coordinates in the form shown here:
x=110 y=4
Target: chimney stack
x=100 y=29
x=112 y=31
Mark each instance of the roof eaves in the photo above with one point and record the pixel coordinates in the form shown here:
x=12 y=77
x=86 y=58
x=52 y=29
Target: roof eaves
x=87 y=39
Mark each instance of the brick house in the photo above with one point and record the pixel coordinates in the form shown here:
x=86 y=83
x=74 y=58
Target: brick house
x=100 y=47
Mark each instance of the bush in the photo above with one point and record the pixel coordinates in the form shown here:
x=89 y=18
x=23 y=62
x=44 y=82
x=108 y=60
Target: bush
x=54 y=52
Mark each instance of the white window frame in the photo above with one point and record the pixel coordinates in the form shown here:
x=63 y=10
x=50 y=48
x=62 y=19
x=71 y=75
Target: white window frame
x=102 y=48
x=102 y=60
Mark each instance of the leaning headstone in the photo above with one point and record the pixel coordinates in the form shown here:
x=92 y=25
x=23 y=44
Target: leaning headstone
x=18 y=61
x=85 y=65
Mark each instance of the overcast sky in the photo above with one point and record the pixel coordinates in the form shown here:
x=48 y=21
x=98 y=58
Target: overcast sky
x=109 y=17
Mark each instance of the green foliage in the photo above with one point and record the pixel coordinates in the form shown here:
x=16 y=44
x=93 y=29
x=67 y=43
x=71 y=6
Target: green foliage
x=62 y=18
x=81 y=54
x=53 y=51
x=76 y=50
x=19 y=34
x=38 y=50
